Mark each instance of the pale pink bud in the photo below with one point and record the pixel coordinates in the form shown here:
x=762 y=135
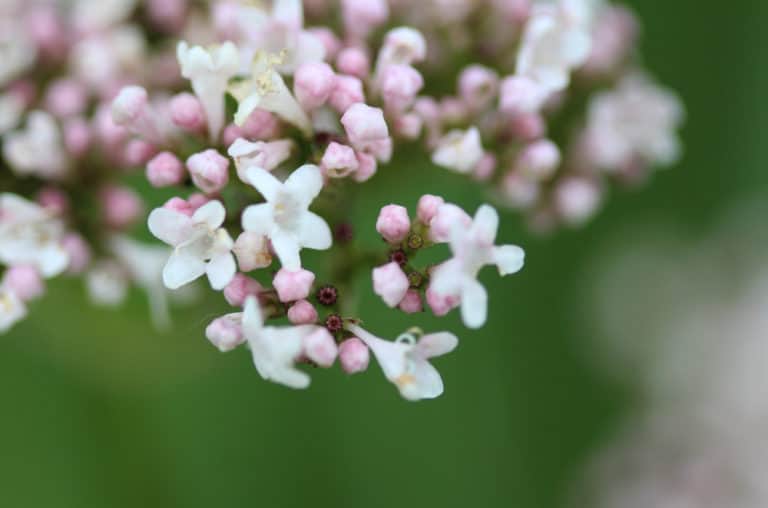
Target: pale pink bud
x=478 y=86
x=353 y=355
x=366 y=167
x=66 y=97
x=485 y=168
x=122 y=206
x=381 y=149
x=427 y=208
x=577 y=199
x=393 y=223
x=353 y=61
x=292 y=286
x=528 y=126
x=614 y=34
x=364 y=124
x=46 y=29
x=53 y=199
x=328 y=40
x=320 y=347
x=412 y=302
x=347 y=91
x=137 y=152
x=187 y=112
x=260 y=124
x=78 y=251
x=165 y=169
x=441 y=304
x=77 y=136
x=302 y=313
x=520 y=192
x=409 y=126
x=240 y=288
x=180 y=205
x=107 y=130
x=453 y=110
x=390 y=283
x=252 y=251
x=360 y=18
x=129 y=105
x=514 y=11
x=399 y=86
x=520 y=95
x=403 y=45
x=539 y=160
x=339 y=160
x=313 y=83
x=209 y=170
x=231 y=133
x=24 y=281
x=447 y=217
x=197 y=200
x=226 y=333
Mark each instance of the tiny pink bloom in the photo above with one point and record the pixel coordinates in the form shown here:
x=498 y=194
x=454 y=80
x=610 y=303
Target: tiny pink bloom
x=390 y=283
x=328 y=39
x=110 y=133
x=364 y=124
x=66 y=97
x=478 y=86
x=347 y=91
x=339 y=160
x=197 y=200
x=520 y=95
x=539 y=160
x=293 y=285
x=77 y=136
x=366 y=167
x=187 y=112
x=226 y=332
x=528 y=126
x=231 y=133
x=180 y=205
x=320 y=347
x=393 y=223
x=137 y=152
x=577 y=199
x=240 y=288
x=302 y=313
x=399 y=86
x=121 y=205
x=485 y=168
x=353 y=61
x=130 y=105
x=409 y=126
x=427 y=207
x=518 y=191
x=53 y=199
x=412 y=302
x=165 y=169
x=313 y=83
x=25 y=281
x=209 y=170
x=403 y=45
x=353 y=355
x=361 y=18
x=78 y=251
x=252 y=251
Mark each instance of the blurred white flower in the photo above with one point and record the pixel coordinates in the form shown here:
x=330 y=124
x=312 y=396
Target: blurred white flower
x=38 y=149
x=459 y=151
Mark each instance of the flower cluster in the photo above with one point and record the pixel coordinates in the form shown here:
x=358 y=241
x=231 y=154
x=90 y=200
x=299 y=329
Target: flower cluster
x=256 y=117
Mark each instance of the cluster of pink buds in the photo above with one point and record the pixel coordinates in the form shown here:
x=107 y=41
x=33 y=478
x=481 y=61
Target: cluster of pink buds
x=278 y=118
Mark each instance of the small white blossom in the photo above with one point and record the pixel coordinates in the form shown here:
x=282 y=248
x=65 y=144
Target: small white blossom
x=473 y=248
x=262 y=154
x=37 y=150
x=459 y=151
x=209 y=71
x=285 y=218
x=12 y=309
x=405 y=361
x=107 y=283
x=201 y=245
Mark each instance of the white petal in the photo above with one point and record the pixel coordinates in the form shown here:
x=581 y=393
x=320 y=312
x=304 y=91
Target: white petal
x=485 y=225
x=315 y=232
x=446 y=278
x=246 y=106
x=264 y=182
x=253 y=322
x=287 y=248
x=474 y=303
x=305 y=183
x=52 y=260
x=422 y=382
x=435 y=344
x=169 y=226
x=221 y=270
x=509 y=259
x=211 y=213
x=390 y=355
x=258 y=219
x=182 y=269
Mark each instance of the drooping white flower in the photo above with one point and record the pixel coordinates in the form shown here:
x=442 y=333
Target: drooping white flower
x=405 y=361
x=12 y=309
x=201 y=245
x=473 y=248
x=459 y=151
x=209 y=71
x=285 y=218
x=261 y=154
x=30 y=235
x=275 y=350
x=38 y=149
x=637 y=119
x=265 y=89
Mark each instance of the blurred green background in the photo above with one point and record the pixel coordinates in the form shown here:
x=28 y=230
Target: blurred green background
x=101 y=410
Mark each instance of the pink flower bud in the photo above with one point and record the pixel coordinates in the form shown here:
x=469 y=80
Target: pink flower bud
x=53 y=199
x=180 y=205
x=514 y=11
x=339 y=160
x=453 y=110
x=302 y=313
x=77 y=136
x=137 y=152
x=409 y=126
x=292 y=286
x=390 y=283
x=399 y=86
x=313 y=83
x=539 y=160
x=518 y=191
x=129 y=105
x=353 y=61
x=226 y=333
x=328 y=40
x=252 y=251
x=24 y=281
x=393 y=223
x=320 y=347
x=403 y=45
x=347 y=91
x=240 y=288
x=197 y=200
x=107 y=130
x=520 y=95
x=187 y=112
x=209 y=170
x=165 y=169
x=121 y=205
x=412 y=302
x=66 y=97
x=528 y=127
x=261 y=124
x=78 y=251
x=231 y=133
x=364 y=124
x=427 y=208
x=485 y=168
x=360 y=18
x=366 y=167
x=577 y=199
x=46 y=28
x=168 y=15
x=478 y=86
x=441 y=304
x=447 y=217
x=353 y=355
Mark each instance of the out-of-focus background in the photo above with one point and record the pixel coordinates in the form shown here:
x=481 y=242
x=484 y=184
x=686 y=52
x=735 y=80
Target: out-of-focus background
x=99 y=409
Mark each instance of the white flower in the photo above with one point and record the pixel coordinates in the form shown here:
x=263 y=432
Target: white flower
x=11 y=109
x=97 y=15
x=275 y=350
x=30 y=235
x=556 y=40
x=17 y=52
x=107 y=283
x=637 y=119
x=265 y=89
x=209 y=70
x=405 y=361
x=473 y=248
x=459 y=151
x=201 y=245
x=266 y=155
x=285 y=218
x=12 y=309
x=37 y=150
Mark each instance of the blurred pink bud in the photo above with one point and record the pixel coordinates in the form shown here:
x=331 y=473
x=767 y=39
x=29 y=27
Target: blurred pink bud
x=122 y=206
x=292 y=286
x=66 y=97
x=302 y=313
x=485 y=168
x=46 y=29
x=447 y=217
x=353 y=61
x=353 y=355
x=614 y=36
x=402 y=45
x=252 y=251
x=366 y=167
x=478 y=86
x=209 y=170
x=528 y=126
x=197 y=200
x=360 y=18
x=77 y=136
x=129 y=105
x=168 y=15
x=180 y=205
x=519 y=192
x=539 y=160
x=390 y=283
x=226 y=333
x=107 y=130
x=399 y=86
x=412 y=302
x=514 y=11
x=53 y=199
x=261 y=124
x=24 y=281
x=519 y=95
x=364 y=124
x=231 y=133
x=347 y=91
x=393 y=223
x=78 y=251
x=453 y=110
x=187 y=112
x=427 y=208
x=320 y=347
x=313 y=83
x=328 y=39
x=137 y=152
x=241 y=288
x=339 y=160
x=409 y=126
x=441 y=304
x=577 y=199
x=165 y=169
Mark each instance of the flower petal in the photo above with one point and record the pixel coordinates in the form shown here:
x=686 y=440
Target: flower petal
x=422 y=382
x=287 y=248
x=169 y=226
x=485 y=225
x=264 y=182
x=258 y=219
x=221 y=270
x=182 y=269
x=435 y=344
x=305 y=183
x=253 y=322
x=212 y=213
x=315 y=232
x=474 y=303
x=509 y=259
